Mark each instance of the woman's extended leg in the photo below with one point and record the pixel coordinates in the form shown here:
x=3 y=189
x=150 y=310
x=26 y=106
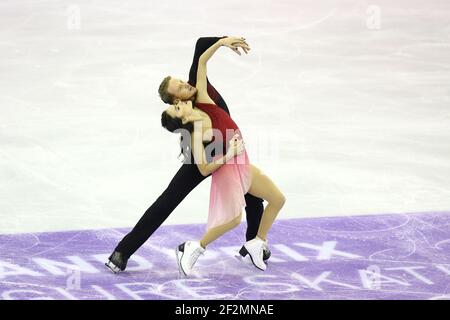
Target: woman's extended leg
x=263 y=187
x=216 y=232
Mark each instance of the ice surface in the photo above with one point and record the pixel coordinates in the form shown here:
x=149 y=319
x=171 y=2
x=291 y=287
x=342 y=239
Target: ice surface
x=398 y=256
x=356 y=95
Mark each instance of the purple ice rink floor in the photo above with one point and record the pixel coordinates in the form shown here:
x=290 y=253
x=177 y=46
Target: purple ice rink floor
x=389 y=256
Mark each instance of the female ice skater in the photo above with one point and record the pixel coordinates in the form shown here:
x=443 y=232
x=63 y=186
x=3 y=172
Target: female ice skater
x=232 y=174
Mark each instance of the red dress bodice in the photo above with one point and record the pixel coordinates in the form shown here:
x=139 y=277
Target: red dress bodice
x=220 y=120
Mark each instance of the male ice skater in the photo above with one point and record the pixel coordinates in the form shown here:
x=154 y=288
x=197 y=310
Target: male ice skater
x=188 y=176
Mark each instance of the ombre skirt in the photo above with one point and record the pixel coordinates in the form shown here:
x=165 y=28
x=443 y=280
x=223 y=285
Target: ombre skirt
x=229 y=184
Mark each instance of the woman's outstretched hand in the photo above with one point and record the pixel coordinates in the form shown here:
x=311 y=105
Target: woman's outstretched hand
x=236 y=147
x=234 y=43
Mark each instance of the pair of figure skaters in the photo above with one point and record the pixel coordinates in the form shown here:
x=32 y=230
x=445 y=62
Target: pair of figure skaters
x=200 y=114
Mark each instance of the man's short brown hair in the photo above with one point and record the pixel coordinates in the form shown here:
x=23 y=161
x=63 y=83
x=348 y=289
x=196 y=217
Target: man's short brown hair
x=165 y=96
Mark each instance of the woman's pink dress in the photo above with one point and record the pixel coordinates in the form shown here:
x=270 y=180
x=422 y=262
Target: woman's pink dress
x=232 y=180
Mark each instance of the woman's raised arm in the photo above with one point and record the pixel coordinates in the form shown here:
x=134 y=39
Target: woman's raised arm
x=201 y=85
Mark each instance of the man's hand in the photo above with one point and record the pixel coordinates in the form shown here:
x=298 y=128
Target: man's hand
x=234 y=43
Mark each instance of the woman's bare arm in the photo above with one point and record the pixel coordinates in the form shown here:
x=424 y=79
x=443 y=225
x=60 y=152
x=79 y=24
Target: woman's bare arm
x=202 y=82
x=198 y=150
x=202 y=89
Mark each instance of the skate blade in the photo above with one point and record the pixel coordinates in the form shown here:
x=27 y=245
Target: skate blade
x=112 y=267
x=180 y=269
x=245 y=260
x=256 y=266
